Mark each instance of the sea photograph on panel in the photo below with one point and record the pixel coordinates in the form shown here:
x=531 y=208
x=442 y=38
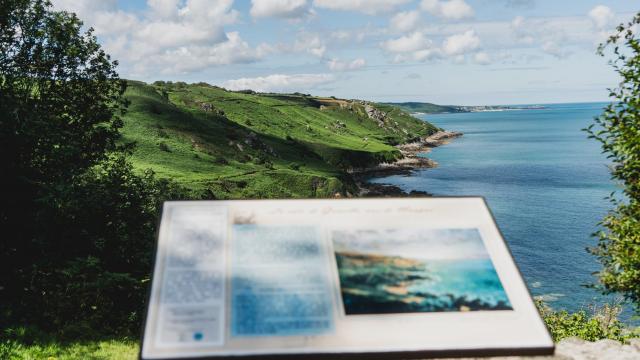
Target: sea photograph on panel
x=385 y=271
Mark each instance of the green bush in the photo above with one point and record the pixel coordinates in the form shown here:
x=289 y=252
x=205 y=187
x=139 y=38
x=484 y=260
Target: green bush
x=294 y=166
x=78 y=221
x=99 y=245
x=600 y=323
x=164 y=147
x=618 y=130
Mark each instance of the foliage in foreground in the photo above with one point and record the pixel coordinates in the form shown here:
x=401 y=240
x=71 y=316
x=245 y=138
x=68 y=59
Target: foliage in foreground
x=78 y=222
x=618 y=130
x=77 y=199
x=28 y=344
x=597 y=324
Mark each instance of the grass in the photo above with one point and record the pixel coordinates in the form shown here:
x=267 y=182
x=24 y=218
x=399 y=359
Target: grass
x=247 y=145
x=92 y=350
x=29 y=343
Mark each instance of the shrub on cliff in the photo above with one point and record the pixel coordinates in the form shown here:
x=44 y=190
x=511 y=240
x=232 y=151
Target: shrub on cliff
x=618 y=130
x=600 y=323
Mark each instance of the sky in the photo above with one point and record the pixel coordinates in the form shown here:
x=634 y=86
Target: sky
x=459 y=52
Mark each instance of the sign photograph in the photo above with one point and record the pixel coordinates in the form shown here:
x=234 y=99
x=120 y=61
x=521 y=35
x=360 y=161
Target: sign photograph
x=383 y=278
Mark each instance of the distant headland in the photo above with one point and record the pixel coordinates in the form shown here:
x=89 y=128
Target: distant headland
x=417 y=108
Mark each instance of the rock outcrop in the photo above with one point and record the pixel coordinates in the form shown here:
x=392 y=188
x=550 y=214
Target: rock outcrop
x=412 y=158
x=375 y=114
x=254 y=142
x=425 y=144
x=207 y=107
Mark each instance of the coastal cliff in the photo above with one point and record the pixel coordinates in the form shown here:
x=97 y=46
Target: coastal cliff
x=411 y=158
x=243 y=144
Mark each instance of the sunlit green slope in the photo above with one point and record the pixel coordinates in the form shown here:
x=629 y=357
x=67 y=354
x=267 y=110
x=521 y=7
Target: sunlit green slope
x=243 y=144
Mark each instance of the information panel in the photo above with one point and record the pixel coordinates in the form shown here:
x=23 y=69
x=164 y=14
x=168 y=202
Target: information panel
x=394 y=278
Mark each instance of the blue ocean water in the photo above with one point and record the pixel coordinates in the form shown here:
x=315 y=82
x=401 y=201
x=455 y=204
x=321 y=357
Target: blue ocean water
x=545 y=182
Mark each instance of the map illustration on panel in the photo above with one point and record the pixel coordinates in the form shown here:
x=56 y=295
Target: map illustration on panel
x=416 y=270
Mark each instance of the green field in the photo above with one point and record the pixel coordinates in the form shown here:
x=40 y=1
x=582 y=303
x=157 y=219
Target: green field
x=98 y=350
x=53 y=349
x=248 y=145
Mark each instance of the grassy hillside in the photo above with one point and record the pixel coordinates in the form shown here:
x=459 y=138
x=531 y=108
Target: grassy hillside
x=244 y=144
x=427 y=108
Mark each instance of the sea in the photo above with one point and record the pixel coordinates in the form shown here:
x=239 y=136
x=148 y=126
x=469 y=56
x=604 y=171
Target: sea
x=545 y=182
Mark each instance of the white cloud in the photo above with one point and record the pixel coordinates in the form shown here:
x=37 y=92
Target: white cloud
x=85 y=7
x=417 y=47
x=522 y=33
x=537 y=36
x=602 y=16
x=186 y=36
x=554 y=49
x=405 y=21
x=448 y=9
x=162 y=8
x=369 y=7
x=517 y=22
x=170 y=34
x=461 y=43
x=279 y=8
x=407 y=43
x=482 y=58
x=357 y=34
x=459 y=59
x=204 y=13
x=558 y=37
x=318 y=51
x=418 y=55
x=186 y=59
x=173 y=36
x=311 y=43
x=520 y=3
x=341 y=35
x=279 y=82
x=338 y=65
x=426 y=54
x=317 y=44
x=113 y=23
x=520 y=30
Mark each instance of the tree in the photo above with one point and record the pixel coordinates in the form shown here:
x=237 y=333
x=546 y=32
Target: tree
x=59 y=93
x=77 y=221
x=618 y=130
x=60 y=97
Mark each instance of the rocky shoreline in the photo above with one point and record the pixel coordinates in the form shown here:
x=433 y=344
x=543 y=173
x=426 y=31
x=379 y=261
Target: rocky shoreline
x=411 y=160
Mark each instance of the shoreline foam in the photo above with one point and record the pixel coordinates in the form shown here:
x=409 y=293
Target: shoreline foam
x=409 y=162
